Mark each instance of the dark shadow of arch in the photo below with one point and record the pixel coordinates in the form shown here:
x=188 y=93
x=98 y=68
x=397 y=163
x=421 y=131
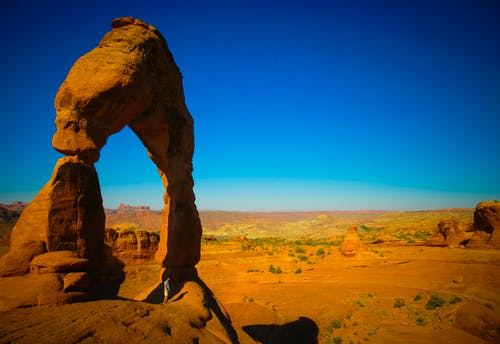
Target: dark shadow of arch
x=300 y=331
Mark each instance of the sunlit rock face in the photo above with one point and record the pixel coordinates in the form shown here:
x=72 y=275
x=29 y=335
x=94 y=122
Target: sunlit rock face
x=352 y=243
x=450 y=232
x=131 y=79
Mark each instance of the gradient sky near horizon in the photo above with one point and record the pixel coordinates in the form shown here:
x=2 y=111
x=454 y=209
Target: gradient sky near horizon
x=298 y=105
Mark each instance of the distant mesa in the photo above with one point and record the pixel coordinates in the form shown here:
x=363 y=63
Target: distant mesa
x=15 y=206
x=132 y=208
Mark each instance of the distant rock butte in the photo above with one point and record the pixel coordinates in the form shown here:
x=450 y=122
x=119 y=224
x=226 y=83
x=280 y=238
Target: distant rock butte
x=131 y=208
x=131 y=79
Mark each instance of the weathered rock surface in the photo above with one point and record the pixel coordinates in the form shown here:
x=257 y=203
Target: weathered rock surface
x=17 y=262
x=67 y=214
x=352 y=243
x=116 y=321
x=8 y=218
x=131 y=78
x=132 y=243
x=478 y=320
x=59 y=261
x=450 y=232
x=486 y=225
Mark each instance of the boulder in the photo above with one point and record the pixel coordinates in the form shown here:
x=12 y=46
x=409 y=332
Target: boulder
x=30 y=290
x=59 y=261
x=352 y=243
x=17 y=261
x=486 y=225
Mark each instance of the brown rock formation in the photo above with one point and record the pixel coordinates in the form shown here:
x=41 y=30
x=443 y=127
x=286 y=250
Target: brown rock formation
x=478 y=320
x=65 y=215
x=352 y=243
x=486 y=225
x=130 y=244
x=8 y=218
x=450 y=232
x=130 y=78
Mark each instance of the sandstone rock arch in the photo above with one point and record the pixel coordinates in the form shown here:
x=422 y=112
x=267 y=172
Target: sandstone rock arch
x=131 y=79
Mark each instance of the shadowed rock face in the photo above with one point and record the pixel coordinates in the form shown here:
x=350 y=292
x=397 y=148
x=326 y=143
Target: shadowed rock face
x=487 y=223
x=131 y=79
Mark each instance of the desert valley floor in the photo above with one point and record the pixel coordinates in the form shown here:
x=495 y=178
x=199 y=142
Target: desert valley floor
x=303 y=290
x=348 y=299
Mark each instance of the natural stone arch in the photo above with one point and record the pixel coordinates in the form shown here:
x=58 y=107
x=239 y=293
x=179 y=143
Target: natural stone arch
x=131 y=79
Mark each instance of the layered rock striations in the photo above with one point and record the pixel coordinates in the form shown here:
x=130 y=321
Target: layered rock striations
x=131 y=244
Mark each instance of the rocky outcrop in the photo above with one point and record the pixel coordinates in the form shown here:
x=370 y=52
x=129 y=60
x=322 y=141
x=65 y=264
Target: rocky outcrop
x=352 y=243
x=450 y=232
x=132 y=244
x=8 y=218
x=486 y=225
x=478 y=320
x=65 y=215
x=131 y=79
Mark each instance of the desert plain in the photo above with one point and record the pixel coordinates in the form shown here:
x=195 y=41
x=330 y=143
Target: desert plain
x=283 y=278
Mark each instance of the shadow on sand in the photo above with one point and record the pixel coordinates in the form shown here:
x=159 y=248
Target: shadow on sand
x=300 y=331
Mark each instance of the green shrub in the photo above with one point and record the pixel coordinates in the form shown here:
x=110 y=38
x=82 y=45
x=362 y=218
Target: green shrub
x=302 y=258
x=418 y=297
x=336 y=324
x=321 y=253
x=398 y=302
x=455 y=300
x=298 y=271
x=435 y=301
x=275 y=270
x=248 y=299
x=420 y=321
x=299 y=249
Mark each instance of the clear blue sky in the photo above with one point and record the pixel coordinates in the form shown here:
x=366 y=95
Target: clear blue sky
x=297 y=104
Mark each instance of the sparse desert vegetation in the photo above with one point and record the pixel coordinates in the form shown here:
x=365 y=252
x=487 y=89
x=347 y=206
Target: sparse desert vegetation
x=397 y=290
